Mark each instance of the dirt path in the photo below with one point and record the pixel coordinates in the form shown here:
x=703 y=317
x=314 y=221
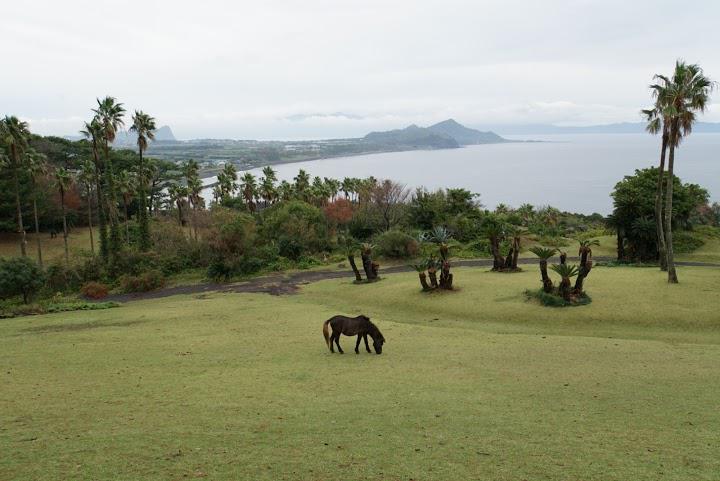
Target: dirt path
x=279 y=284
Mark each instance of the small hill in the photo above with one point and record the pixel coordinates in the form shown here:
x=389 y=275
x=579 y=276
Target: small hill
x=464 y=135
x=412 y=137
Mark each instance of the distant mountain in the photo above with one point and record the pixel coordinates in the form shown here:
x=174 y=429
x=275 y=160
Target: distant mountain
x=163 y=134
x=619 y=128
x=464 y=135
x=412 y=137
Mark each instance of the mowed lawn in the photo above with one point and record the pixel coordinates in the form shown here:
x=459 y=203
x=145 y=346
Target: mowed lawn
x=473 y=384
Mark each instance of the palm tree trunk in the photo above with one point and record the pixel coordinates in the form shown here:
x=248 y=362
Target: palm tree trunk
x=423 y=281
x=90 y=226
x=351 y=260
x=102 y=213
x=547 y=282
x=37 y=230
x=65 y=231
x=127 y=224
x=662 y=248
x=21 y=227
x=112 y=204
x=672 y=274
x=143 y=213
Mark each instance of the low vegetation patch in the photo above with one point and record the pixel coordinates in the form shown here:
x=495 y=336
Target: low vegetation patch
x=15 y=309
x=553 y=299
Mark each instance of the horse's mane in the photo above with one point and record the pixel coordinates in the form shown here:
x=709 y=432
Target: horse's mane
x=374 y=331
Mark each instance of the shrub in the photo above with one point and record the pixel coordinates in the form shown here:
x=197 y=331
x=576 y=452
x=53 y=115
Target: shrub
x=396 y=244
x=299 y=226
x=553 y=241
x=685 y=241
x=61 y=278
x=94 y=290
x=20 y=276
x=147 y=281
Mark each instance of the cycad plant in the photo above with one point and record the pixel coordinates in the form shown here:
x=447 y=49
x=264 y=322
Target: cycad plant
x=585 y=253
x=442 y=238
x=420 y=267
x=370 y=267
x=350 y=247
x=566 y=272
x=544 y=253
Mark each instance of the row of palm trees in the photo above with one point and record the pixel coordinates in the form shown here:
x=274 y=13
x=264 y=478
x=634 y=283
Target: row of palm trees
x=677 y=101
x=265 y=190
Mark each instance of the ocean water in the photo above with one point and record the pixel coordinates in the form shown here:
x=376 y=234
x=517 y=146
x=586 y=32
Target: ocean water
x=574 y=172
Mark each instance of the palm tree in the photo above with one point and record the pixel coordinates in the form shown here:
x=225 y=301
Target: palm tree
x=657 y=123
x=177 y=194
x=227 y=181
x=544 y=253
x=566 y=272
x=37 y=168
x=687 y=94
x=14 y=133
x=144 y=126
x=191 y=169
x=267 y=185
x=94 y=133
x=63 y=181
x=302 y=184
x=248 y=187
x=109 y=115
x=126 y=188
x=87 y=178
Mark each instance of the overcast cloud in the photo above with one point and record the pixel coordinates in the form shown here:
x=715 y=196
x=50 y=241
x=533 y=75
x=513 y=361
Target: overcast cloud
x=322 y=68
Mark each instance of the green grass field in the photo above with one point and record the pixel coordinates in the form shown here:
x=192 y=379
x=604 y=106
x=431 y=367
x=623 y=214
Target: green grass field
x=472 y=384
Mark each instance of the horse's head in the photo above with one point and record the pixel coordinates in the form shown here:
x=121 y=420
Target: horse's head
x=378 y=339
x=378 y=344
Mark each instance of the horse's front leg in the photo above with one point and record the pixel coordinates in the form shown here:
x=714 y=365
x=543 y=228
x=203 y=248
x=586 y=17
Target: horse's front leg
x=337 y=342
x=367 y=346
x=357 y=344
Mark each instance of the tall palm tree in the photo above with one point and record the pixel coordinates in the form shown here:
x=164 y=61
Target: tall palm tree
x=248 y=187
x=87 y=178
x=14 y=133
x=267 y=185
x=302 y=184
x=126 y=188
x=63 y=181
x=685 y=95
x=227 y=181
x=93 y=131
x=177 y=194
x=37 y=168
x=657 y=123
x=109 y=114
x=144 y=126
x=191 y=169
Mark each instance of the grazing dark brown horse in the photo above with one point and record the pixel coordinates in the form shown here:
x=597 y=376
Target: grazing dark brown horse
x=359 y=326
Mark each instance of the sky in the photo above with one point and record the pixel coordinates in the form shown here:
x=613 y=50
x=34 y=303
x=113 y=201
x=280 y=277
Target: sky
x=277 y=69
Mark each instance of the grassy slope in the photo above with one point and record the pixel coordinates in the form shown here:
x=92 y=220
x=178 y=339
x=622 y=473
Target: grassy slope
x=474 y=384
x=53 y=249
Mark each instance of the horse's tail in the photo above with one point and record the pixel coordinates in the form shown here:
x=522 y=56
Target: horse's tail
x=326 y=332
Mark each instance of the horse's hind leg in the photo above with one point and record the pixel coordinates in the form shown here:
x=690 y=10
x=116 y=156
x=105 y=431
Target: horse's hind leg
x=337 y=342
x=357 y=344
x=367 y=346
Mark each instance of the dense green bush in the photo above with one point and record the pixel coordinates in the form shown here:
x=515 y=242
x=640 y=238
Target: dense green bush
x=297 y=227
x=61 y=278
x=686 y=241
x=19 y=276
x=144 y=282
x=396 y=244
